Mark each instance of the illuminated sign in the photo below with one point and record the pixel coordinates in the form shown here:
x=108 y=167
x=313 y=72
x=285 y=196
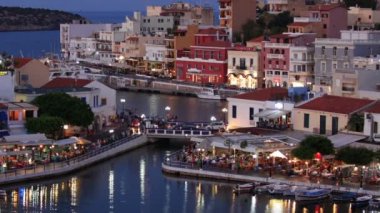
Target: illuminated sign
x=3 y=73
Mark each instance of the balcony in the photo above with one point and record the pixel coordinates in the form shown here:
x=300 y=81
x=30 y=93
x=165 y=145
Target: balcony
x=277 y=1
x=275 y=56
x=276 y=45
x=306 y=19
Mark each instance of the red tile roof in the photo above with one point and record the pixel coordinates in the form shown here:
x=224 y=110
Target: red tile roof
x=216 y=44
x=65 y=83
x=3 y=106
x=374 y=108
x=274 y=93
x=324 y=7
x=336 y=104
x=257 y=39
x=20 y=62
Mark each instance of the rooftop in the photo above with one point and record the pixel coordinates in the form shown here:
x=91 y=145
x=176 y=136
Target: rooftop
x=51 y=90
x=273 y=93
x=335 y=104
x=20 y=62
x=66 y=83
x=257 y=39
x=374 y=108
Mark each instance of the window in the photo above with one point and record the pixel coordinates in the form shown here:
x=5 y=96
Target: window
x=346 y=51
x=306 y=119
x=251 y=62
x=345 y=65
x=233 y=61
x=251 y=113
x=242 y=63
x=334 y=51
x=104 y=101
x=13 y=115
x=369 y=17
x=324 y=26
x=234 y=111
x=29 y=114
x=277 y=72
x=375 y=127
x=323 y=66
x=334 y=65
x=83 y=99
x=323 y=50
x=377 y=66
x=211 y=54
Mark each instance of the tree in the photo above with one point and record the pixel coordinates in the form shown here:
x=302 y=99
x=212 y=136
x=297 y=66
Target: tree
x=51 y=126
x=356 y=122
x=357 y=156
x=311 y=145
x=361 y=3
x=71 y=109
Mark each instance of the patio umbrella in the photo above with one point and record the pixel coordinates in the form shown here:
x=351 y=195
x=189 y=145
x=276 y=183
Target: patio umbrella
x=277 y=154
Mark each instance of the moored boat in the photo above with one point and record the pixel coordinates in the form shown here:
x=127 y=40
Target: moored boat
x=293 y=190
x=361 y=200
x=209 y=93
x=313 y=194
x=375 y=202
x=344 y=197
x=244 y=188
x=278 y=189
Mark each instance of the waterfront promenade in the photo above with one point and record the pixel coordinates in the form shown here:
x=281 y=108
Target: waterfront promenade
x=60 y=168
x=173 y=165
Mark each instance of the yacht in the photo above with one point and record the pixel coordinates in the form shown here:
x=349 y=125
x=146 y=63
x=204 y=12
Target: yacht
x=209 y=93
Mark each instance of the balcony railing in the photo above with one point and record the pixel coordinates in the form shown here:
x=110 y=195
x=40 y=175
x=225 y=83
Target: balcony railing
x=275 y=56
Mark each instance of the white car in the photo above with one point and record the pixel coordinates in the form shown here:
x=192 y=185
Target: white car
x=216 y=125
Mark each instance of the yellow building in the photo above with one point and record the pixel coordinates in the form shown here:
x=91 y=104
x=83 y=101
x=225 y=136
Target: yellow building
x=327 y=115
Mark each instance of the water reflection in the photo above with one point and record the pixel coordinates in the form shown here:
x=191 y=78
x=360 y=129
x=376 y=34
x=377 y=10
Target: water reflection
x=142 y=180
x=111 y=188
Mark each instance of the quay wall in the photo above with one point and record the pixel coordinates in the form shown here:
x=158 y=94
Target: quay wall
x=199 y=173
x=56 y=169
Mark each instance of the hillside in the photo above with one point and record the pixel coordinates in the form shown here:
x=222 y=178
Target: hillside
x=24 y=19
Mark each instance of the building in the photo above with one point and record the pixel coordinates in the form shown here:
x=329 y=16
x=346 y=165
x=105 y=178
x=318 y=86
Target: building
x=98 y=96
x=254 y=108
x=362 y=18
x=206 y=61
x=76 y=30
x=17 y=113
x=332 y=54
x=189 y=14
x=301 y=66
x=7 y=86
x=30 y=72
x=243 y=66
x=327 y=115
x=233 y=14
x=372 y=120
x=155 y=58
x=276 y=58
x=82 y=47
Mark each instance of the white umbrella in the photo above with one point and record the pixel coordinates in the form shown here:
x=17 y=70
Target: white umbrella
x=277 y=154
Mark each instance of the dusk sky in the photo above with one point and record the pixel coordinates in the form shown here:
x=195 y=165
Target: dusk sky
x=95 y=5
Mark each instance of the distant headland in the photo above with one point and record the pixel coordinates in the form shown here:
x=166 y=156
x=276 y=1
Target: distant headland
x=30 y=19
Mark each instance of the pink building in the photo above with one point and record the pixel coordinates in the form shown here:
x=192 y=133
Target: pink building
x=206 y=60
x=275 y=56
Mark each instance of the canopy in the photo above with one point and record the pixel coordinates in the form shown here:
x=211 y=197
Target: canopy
x=271 y=113
x=67 y=141
x=340 y=140
x=277 y=154
x=249 y=148
x=25 y=138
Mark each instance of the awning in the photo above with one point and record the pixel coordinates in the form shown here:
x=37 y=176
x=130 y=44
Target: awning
x=236 y=146
x=340 y=140
x=277 y=154
x=68 y=141
x=271 y=113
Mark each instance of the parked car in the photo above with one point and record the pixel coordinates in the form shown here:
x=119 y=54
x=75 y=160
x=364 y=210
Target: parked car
x=218 y=125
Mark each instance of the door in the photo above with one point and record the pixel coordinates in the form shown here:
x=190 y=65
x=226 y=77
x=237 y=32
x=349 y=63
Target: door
x=334 y=125
x=322 y=125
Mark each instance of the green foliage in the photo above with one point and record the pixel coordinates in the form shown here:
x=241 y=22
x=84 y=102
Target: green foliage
x=356 y=122
x=243 y=144
x=51 y=126
x=361 y=3
x=71 y=109
x=267 y=23
x=358 y=156
x=311 y=145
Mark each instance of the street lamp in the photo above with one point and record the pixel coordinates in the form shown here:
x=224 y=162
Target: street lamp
x=167 y=109
x=225 y=110
x=122 y=101
x=213 y=118
x=65 y=127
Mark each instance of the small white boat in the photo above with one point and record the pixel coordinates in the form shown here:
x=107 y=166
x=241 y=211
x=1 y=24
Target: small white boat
x=375 y=202
x=241 y=188
x=264 y=188
x=209 y=93
x=278 y=189
x=293 y=190
x=362 y=199
x=313 y=194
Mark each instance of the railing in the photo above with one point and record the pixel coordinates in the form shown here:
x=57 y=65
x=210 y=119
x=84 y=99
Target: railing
x=50 y=168
x=175 y=132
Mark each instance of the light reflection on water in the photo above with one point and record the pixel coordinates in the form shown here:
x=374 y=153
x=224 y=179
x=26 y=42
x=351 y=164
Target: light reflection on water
x=134 y=181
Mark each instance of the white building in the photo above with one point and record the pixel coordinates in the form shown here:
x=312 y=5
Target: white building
x=7 y=79
x=249 y=109
x=154 y=57
x=82 y=47
x=301 y=66
x=372 y=120
x=243 y=65
x=18 y=112
x=132 y=25
x=101 y=98
x=71 y=31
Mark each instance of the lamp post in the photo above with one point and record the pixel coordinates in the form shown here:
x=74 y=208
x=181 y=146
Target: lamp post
x=122 y=101
x=225 y=110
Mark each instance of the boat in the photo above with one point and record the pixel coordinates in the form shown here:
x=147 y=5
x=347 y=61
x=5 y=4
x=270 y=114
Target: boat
x=209 y=93
x=375 y=202
x=361 y=200
x=243 y=188
x=278 y=189
x=313 y=195
x=293 y=190
x=344 y=197
x=263 y=188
